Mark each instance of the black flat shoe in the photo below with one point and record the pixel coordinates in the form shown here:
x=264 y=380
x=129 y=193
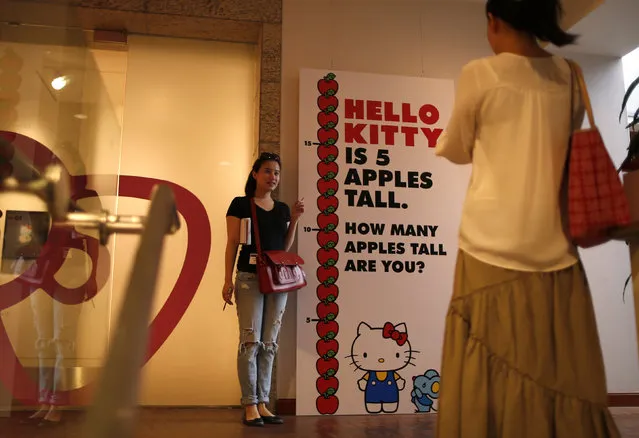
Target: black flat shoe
x=273 y=420
x=257 y=422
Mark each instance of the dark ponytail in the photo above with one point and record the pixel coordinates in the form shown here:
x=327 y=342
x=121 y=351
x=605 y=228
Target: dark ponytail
x=539 y=18
x=251 y=184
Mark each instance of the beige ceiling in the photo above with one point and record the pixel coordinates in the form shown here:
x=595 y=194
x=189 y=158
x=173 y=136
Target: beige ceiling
x=606 y=27
x=611 y=29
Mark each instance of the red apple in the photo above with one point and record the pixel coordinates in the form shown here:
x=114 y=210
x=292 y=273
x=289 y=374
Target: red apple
x=327 y=119
x=327 y=348
x=327 y=239
x=327 y=204
x=328 y=86
x=327 y=170
x=327 y=405
x=327 y=152
x=325 y=384
x=327 y=330
x=327 y=103
x=327 y=367
x=327 y=256
x=327 y=136
x=327 y=275
x=327 y=222
x=327 y=311
x=327 y=292
x=327 y=187
x=330 y=274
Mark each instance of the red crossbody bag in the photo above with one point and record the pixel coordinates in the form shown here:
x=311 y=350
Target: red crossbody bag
x=277 y=271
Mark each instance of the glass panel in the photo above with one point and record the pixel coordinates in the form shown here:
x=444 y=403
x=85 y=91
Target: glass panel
x=61 y=102
x=190 y=123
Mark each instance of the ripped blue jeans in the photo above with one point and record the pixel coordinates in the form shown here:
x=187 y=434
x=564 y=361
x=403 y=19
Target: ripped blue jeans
x=260 y=318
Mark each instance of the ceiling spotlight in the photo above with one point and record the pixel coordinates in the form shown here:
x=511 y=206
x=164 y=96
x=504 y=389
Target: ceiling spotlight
x=59 y=83
x=81 y=116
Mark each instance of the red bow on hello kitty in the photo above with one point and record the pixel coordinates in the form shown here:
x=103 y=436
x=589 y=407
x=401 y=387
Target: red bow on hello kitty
x=390 y=332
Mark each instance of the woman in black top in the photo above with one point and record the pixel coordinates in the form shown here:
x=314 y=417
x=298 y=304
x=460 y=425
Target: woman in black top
x=260 y=316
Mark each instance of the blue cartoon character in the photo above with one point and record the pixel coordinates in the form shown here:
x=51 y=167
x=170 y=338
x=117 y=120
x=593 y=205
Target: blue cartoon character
x=381 y=352
x=425 y=391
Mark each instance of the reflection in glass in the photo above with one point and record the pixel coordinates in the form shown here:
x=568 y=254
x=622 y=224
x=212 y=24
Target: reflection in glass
x=25 y=232
x=63 y=97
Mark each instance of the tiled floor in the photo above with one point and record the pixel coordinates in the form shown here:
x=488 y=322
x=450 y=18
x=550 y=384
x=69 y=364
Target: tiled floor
x=627 y=421
x=202 y=423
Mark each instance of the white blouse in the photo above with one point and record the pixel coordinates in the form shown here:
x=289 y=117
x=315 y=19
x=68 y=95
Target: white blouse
x=511 y=120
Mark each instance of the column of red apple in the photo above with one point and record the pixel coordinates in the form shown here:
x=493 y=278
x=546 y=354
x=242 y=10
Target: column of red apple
x=327 y=327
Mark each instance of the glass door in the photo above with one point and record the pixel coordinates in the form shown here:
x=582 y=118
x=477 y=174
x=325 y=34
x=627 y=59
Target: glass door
x=61 y=101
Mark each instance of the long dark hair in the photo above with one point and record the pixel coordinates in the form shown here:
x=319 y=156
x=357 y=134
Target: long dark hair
x=539 y=18
x=251 y=184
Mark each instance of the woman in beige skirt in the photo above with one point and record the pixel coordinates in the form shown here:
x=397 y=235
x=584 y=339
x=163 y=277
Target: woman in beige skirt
x=521 y=352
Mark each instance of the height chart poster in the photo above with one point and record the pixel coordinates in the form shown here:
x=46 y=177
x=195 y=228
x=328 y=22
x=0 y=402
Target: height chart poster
x=379 y=240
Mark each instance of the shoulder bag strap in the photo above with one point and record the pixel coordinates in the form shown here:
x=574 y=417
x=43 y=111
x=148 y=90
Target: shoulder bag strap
x=578 y=76
x=563 y=191
x=256 y=230
x=572 y=97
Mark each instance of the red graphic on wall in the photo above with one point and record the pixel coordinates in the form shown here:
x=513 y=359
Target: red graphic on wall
x=12 y=374
x=327 y=327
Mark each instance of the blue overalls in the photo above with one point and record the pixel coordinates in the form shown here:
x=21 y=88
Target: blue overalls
x=381 y=391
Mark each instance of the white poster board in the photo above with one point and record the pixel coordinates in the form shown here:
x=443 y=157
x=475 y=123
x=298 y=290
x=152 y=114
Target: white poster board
x=379 y=240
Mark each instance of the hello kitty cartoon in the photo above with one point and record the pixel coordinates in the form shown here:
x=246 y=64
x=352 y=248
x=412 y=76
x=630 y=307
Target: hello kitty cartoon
x=381 y=352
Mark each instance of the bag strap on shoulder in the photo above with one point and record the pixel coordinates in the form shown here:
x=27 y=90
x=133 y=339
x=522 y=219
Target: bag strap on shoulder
x=578 y=76
x=256 y=230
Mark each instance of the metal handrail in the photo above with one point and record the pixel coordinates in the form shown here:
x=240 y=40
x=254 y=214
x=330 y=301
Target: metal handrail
x=114 y=410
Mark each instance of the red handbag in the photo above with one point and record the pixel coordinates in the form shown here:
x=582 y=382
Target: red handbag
x=277 y=271
x=597 y=203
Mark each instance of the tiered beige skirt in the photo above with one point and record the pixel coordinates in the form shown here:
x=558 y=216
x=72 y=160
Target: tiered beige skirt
x=522 y=357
